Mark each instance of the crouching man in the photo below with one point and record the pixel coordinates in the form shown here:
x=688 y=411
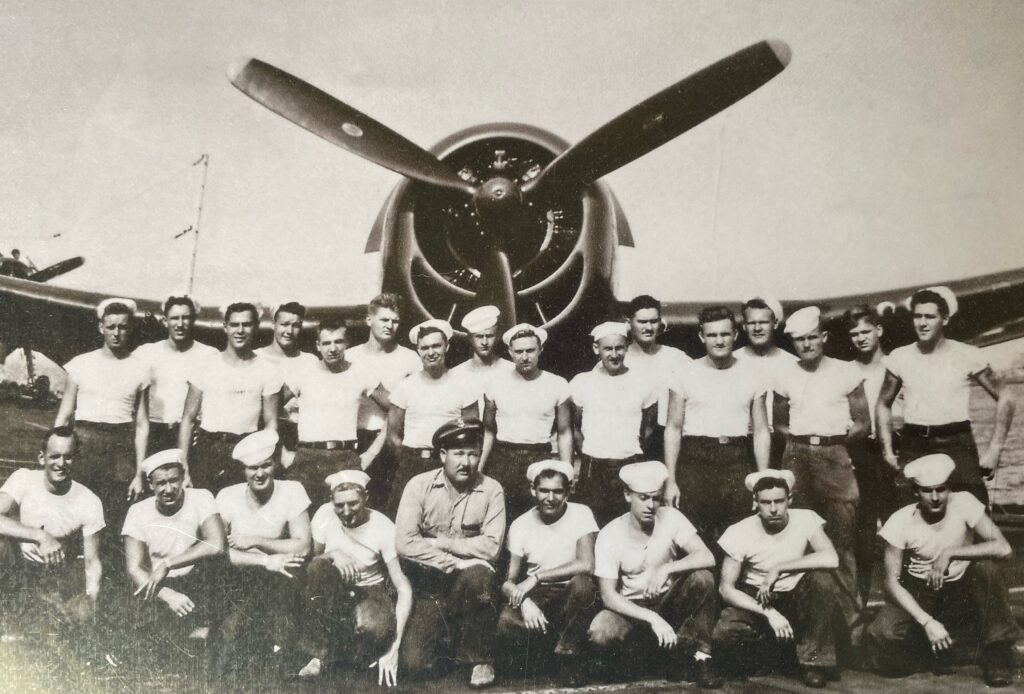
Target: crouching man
x=948 y=545
x=550 y=591
x=349 y=613
x=775 y=590
x=653 y=570
x=449 y=530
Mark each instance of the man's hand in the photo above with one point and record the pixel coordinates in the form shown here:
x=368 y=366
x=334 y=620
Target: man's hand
x=50 y=549
x=521 y=590
x=989 y=462
x=656 y=582
x=892 y=460
x=179 y=603
x=347 y=568
x=136 y=488
x=937 y=635
x=664 y=632
x=156 y=575
x=188 y=479
x=937 y=576
x=533 y=616
x=387 y=667
x=280 y=563
x=463 y=564
x=780 y=625
x=242 y=543
x=671 y=496
x=365 y=460
x=764 y=591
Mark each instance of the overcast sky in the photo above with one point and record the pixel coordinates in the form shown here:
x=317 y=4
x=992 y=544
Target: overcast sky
x=890 y=152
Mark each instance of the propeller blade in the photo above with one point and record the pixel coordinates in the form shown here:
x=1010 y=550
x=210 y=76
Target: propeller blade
x=495 y=286
x=57 y=269
x=338 y=123
x=669 y=113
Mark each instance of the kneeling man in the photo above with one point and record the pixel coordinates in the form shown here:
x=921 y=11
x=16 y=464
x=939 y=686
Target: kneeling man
x=948 y=545
x=643 y=580
x=773 y=587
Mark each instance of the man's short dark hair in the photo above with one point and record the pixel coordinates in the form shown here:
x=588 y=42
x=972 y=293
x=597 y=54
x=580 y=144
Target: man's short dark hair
x=858 y=313
x=526 y=332
x=756 y=303
x=927 y=296
x=173 y=301
x=551 y=474
x=644 y=301
x=713 y=314
x=116 y=308
x=291 y=307
x=330 y=324
x=62 y=432
x=240 y=307
x=387 y=300
x=771 y=483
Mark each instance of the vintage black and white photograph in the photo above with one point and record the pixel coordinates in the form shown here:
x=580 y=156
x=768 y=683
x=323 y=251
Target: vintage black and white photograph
x=575 y=346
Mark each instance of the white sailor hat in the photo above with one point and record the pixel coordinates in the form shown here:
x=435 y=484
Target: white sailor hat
x=541 y=333
x=256 y=447
x=540 y=466
x=774 y=305
x=442 y=325
x=171 y=456
x=480 y=319
x=803 y=321
x=644 y=478
x=357 y=477
x=609 y=327
x=258 y=306
x=132 y=306
x=930 y=470
x=785 y=475
x=950 y=297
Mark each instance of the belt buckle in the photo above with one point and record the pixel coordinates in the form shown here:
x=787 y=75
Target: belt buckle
x=723 y=440
x=330 y=445
x=425 y=454
x=927 y=431
x=815 y=440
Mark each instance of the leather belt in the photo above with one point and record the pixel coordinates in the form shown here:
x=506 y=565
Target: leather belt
x=349 y=445
x=106 y=426
x=166 y=426
x=221 y=435
x=721 y=440
x=814 y=440
x=424 y=453
x=525 y=446
x=928 y=430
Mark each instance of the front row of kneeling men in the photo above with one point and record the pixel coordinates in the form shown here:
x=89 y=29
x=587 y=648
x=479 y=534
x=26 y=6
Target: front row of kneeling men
x=405 y=594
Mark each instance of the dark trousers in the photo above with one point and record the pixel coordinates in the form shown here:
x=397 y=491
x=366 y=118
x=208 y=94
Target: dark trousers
x=162 y=437
x=600 y=488
x=879 y=499
x=690 y=605
x=210 y=463
x=106 y=466
x=36 y=598
x=380 y=470
x=777 y=450
x=311 y=466
x=568 y=609
x=810 y=608
x=342 y=622
x=507 y=464
x=155 y=624
x=825 y=484
x=974 y=609
x=410 y=463
x=960 y=447
x=711 y=476
x=456 y=609
x=259 y=611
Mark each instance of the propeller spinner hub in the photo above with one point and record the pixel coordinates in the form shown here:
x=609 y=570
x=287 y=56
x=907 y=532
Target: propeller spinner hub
x=498 y=196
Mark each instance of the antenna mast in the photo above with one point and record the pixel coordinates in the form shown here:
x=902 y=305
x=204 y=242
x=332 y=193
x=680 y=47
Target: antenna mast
x=190 y=279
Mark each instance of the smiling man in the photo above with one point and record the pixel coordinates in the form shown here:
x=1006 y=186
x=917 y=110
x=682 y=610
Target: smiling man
x=481 y=325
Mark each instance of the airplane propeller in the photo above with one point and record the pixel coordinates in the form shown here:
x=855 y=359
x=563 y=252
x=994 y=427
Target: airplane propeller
x=57 y=269
x=500 y=203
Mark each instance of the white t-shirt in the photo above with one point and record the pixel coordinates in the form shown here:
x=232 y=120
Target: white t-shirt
x=717 y=402
x=748 y=543
x=525 y=410
x=107 y=386
x=612 y=411
x=547 y=546
x=936 y=386
x=390 y=368
x=371 y=545
x=61 y=515
x=329 y=402
x=428 y=403
x=476 y=377
x=907 y=530
x=767 y=367
x=661 y=368
x=287 y=368
x=242 y=517
x=818 y=402
x=169 y=536
x=625 y=554
x=168 y=374
x=873 y=375
x=233 y=393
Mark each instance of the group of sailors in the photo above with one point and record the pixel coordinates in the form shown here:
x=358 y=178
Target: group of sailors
x=365 y=493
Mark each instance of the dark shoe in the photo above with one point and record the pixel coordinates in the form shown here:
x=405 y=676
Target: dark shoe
x=815 y=677
x=706 y=676
x=998 y=666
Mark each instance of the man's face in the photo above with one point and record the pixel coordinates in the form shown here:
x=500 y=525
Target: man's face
x=773 y=507
x=644 y=325
x=168 y=485
x=928 y=322
x=332 y=344
x=865 y=336
x=58 y=458
x=759 y=325
x=287 y=327
x=484 y=342
x=643 y=505
x=718 y=337
x=551 y=494
x=460 y=462
x=611 y=350
x=115 y=328
x=432 y=347
x=383 y=325
x=260 y=477
x=525 y=353
x=933 y=500
x=350 y=507
x=810 y=346
x=180 y=323
x=240 y=327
